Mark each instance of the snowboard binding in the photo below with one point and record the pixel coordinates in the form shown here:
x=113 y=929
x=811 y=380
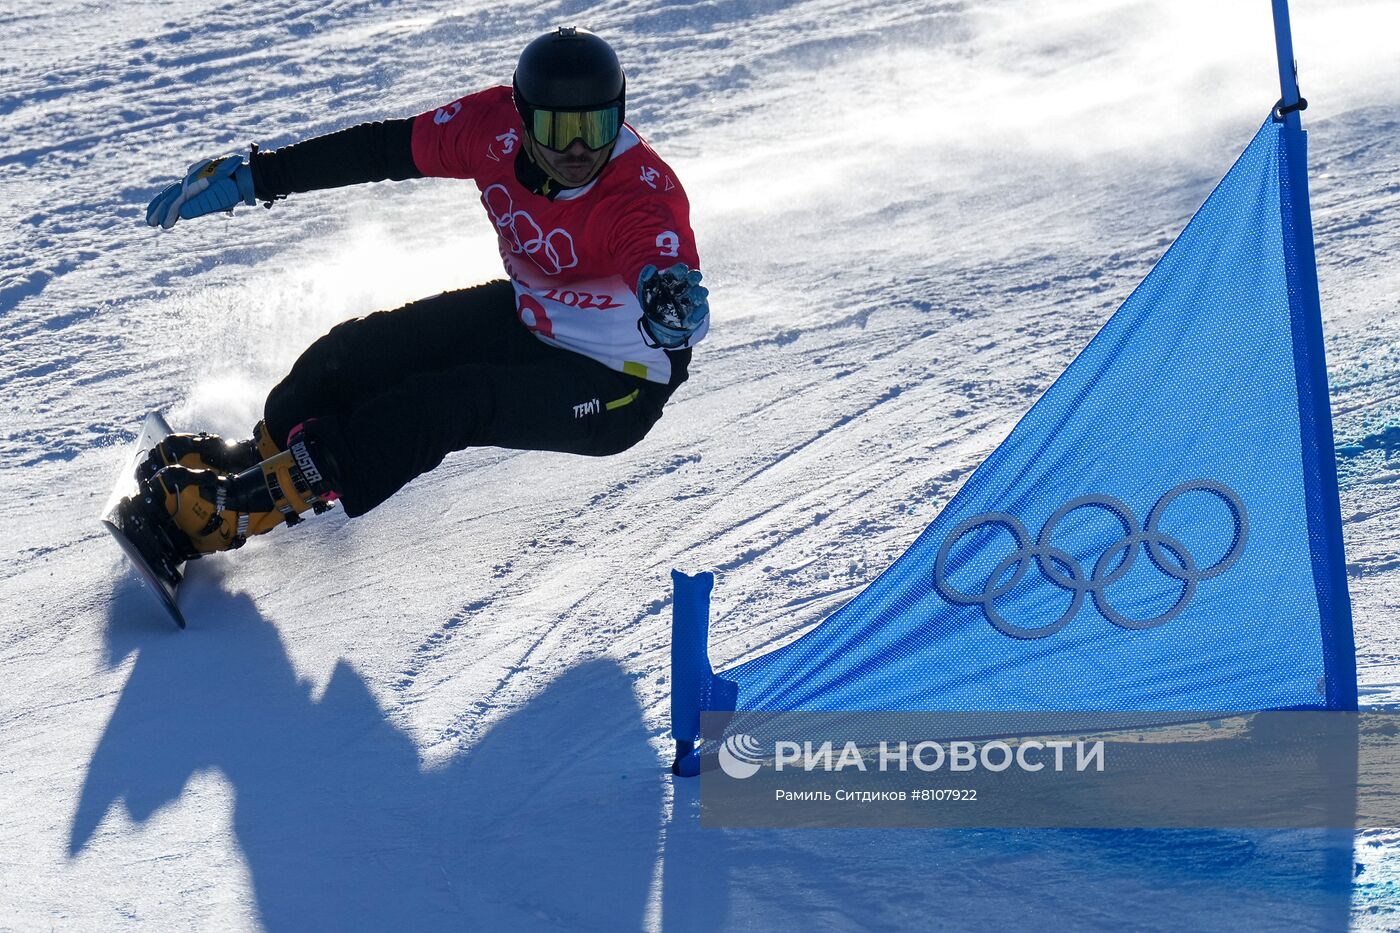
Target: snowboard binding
x=142 y=518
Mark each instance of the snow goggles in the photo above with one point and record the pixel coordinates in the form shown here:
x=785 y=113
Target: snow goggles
x=557 y=129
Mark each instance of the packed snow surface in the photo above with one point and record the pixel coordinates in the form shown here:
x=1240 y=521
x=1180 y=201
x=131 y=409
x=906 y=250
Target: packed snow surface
x=452 y=712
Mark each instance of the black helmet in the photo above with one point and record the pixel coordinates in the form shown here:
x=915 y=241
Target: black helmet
x=569 y=69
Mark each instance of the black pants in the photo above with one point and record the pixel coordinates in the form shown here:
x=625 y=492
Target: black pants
x=396 y=391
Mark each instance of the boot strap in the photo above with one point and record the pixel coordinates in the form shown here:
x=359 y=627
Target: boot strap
x=217 y=519
x=279 y=498
x=304 y=495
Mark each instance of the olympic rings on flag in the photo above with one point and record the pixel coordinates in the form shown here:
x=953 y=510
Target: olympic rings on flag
x=1065 y=571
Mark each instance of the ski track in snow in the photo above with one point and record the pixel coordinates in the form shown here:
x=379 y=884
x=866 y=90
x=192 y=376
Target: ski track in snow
x=453 y=712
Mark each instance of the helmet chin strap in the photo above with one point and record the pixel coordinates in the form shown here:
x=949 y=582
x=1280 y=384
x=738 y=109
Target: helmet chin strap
x=601 y=158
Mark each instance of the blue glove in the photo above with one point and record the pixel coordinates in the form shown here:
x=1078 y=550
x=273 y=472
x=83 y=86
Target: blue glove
x=211 y=185
x=674 y=305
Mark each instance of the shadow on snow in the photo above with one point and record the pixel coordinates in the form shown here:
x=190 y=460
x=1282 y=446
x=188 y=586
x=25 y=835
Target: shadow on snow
x=341 y=827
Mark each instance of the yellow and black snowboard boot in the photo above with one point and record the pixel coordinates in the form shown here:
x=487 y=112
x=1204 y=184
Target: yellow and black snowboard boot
x=209 y=453
x=219 y=511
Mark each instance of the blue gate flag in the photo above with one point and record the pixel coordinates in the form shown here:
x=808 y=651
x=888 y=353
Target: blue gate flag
x=1161 y=531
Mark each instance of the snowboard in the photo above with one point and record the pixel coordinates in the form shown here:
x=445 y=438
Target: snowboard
x=133 y=516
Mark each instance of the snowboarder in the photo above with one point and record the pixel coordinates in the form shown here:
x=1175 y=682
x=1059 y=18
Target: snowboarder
x=577 y=351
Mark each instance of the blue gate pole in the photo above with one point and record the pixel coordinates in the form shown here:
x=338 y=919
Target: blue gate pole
x=691 y=673
x=1287 y=67
x=1315 y=409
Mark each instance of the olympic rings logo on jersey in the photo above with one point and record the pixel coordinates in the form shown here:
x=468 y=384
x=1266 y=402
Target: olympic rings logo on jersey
x=1064 y=570
x=553 y=252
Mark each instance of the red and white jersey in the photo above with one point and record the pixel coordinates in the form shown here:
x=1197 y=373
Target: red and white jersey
x=574 y=260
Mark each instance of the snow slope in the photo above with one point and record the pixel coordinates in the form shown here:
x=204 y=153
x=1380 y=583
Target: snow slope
x=451 y=713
